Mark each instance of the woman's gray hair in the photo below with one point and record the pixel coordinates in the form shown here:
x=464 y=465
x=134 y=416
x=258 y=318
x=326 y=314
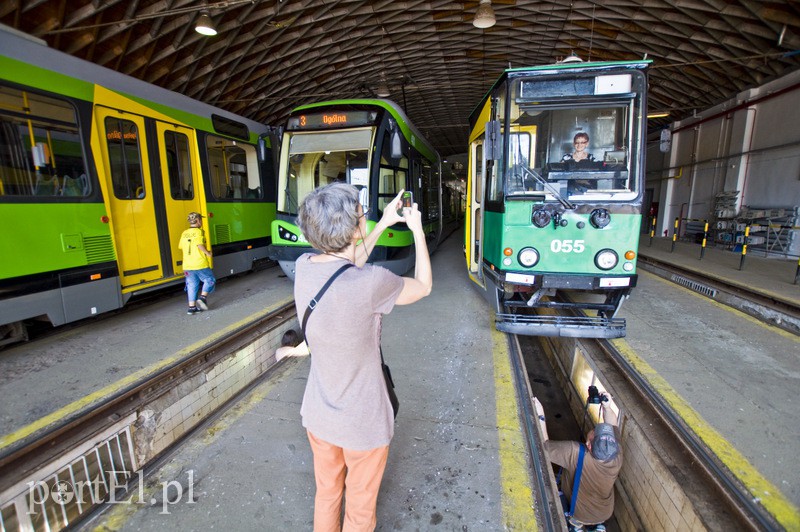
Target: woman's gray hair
x=328 y=216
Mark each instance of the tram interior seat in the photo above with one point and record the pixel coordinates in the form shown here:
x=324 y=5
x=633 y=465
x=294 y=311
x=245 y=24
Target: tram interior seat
x=75 y=186
x=47 y=185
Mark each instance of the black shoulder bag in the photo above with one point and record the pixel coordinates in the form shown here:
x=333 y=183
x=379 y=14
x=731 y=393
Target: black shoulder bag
x=387 y=374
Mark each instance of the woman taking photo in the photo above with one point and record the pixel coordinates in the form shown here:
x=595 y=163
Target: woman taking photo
x=346 y=409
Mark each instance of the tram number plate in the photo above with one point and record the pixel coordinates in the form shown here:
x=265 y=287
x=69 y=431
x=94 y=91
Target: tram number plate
x=567 y=246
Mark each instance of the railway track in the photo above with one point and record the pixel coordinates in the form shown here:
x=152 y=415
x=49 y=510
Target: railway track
x=103 y=445
x=717 y=496
x=781 y=313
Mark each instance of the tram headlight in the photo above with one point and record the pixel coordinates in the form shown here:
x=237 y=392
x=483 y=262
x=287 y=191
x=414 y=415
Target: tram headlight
x=528 y=257
x=285 y=234
x=606 y=259
x=540 y=218
x=600 y=218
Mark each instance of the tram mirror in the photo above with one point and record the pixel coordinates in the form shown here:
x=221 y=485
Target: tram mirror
x=363 y=199
x=397 y=145
x=262 y=149
x=493 y=148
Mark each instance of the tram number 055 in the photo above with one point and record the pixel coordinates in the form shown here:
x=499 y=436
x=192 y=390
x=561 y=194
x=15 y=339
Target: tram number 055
x=567 y=246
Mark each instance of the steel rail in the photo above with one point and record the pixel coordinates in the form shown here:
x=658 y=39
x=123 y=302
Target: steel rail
x=30 y=453
x=741 y=501
x=550 y=508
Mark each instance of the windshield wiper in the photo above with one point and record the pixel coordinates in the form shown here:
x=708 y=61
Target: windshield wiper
x=548 y=186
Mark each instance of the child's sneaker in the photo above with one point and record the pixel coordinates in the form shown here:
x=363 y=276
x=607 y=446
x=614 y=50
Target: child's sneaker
x=202 y=303
x=193 y=310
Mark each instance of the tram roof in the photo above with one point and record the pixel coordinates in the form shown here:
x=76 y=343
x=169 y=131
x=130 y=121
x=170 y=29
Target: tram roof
x=414 y=136
x=577 y=66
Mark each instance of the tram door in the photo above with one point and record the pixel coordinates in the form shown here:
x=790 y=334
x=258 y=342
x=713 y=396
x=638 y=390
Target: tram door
x=182 y=186
x=127 y=179
x=474 y=237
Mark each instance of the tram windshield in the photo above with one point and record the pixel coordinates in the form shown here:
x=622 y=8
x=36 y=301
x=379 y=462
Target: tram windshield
x=573 y=150
x=317 y=159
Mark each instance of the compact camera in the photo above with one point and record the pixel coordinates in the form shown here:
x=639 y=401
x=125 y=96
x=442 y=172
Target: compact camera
x=408 y=202
x=595 y=397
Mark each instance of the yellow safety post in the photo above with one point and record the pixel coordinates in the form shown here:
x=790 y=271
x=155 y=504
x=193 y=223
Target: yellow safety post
x=705 y=239
x=744 y=246
x=652 y=230
x=674 y=235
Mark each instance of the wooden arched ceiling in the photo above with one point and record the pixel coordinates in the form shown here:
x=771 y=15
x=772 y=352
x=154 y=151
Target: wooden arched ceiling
x=271 y=55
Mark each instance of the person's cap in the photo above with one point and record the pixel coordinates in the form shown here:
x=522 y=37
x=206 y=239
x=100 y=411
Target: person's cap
x=604 y=445
x=194 y=217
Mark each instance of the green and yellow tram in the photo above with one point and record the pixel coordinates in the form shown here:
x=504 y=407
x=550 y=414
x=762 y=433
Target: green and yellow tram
x=98 y=172
x=556 y=169
x=371 y=144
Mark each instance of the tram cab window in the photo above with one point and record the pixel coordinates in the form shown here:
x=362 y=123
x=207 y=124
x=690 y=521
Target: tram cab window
x=319 y=158
x=41 y=154
x=233 y=167
x=122 y=139
x=580 y=152
x=577 y=149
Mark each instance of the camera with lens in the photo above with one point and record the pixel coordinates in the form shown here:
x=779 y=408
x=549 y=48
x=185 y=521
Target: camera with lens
x=595 y=397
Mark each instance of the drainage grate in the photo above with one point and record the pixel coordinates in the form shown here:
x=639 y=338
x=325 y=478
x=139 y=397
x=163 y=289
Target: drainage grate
x=55 y=497
x=694 y=285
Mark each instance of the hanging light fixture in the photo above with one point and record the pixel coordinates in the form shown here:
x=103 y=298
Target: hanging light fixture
x=383 y=90
x=205 y=26
x=484 y=16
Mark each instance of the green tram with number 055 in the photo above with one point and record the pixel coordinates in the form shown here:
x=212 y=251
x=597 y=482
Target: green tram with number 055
x=98 y=172
x=555 y=176
x=371 y=144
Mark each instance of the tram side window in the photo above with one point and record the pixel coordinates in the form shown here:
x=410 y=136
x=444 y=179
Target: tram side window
x=430 y=193
x=234 y=169
x=122 y=138
x=392 y=178
x=179 y=166
x=40 y=147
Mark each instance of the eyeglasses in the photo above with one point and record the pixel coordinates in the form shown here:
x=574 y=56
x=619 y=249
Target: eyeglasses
x=581 y=142
x=365 y=213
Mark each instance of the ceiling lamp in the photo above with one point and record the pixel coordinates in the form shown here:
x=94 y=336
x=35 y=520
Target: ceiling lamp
x=383 y=90
x=205 y=26
x=484 y=16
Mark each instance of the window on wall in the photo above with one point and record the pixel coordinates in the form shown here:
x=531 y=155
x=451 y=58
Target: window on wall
x=179 y=165
x=122 y=139
x=41 y=153
x=233 y=167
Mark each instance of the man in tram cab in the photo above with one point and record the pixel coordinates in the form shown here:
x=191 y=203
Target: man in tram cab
x=601 y=463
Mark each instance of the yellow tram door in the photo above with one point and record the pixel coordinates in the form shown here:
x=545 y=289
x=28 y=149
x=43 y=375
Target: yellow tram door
x=125 y=173
x=474 y=226
x=181 y=182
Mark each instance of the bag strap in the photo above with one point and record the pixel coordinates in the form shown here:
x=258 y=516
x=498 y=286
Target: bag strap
x=315 y=300
x=576 y=484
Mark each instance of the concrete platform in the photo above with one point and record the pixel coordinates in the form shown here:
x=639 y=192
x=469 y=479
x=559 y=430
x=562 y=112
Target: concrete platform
x=45 y=380
x=458 y=460
x=733 y=379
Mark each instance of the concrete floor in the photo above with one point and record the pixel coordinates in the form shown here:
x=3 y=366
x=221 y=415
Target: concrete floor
x=457 y=461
